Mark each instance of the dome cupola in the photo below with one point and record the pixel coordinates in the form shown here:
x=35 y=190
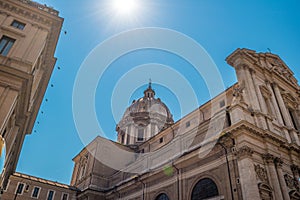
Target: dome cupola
x=143 y=119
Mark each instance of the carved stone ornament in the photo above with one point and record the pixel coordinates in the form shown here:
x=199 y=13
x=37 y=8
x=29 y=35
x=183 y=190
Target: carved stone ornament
x=238 y=93
x=261 y=173
x=289 y=181
x=244 y=151
x=278 y=67
x=269 y=158
x=278 y=162
x=295 y=169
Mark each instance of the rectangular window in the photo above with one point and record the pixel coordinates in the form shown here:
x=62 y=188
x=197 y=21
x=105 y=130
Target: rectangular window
x=18 y=25
x=122 y=139
x=292 y=118
x=222 y=103
x=5 y=45
x=228 y=119
x=65 y=196
x=35 y=192
x=140 y=135
x=187 y=124
x=127 y=139
x=161 y=140
x=50 y=195
x=20 y=188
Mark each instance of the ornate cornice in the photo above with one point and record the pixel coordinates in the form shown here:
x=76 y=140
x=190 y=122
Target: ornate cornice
x=40 y=7
x=31 y=15
x=264 y=134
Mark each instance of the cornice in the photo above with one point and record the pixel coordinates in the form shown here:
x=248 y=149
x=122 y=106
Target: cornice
x=9 y=7
x=265 y=135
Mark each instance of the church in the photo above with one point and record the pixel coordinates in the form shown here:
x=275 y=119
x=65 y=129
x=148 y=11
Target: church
x=242 y=144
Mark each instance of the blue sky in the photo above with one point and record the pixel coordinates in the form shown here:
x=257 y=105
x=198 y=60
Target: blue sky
x=219 y=26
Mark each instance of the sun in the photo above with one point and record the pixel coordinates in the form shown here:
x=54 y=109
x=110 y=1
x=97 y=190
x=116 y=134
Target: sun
x=125 y=7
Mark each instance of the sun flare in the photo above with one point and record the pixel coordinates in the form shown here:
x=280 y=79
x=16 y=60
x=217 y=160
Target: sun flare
x=125 y=7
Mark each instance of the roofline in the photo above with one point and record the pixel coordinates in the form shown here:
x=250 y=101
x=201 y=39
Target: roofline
x=38 y=179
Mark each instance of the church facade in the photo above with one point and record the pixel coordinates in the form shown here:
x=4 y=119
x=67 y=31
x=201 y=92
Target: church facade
x=242 y=144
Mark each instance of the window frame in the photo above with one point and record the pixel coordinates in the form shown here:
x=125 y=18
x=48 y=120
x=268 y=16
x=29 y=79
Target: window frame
x=18 y=188
x=53 y=196
x=162 y=196
x=161 y=140
x=5 y=189
x=8 y=41
x=187 y=124
x=138 y=138
x=38 y=194
x=201 y=186
x=62 y=196
x=19 y=25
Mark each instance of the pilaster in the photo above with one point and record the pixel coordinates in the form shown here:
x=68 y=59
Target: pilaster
x=269 y=159
x=278 y=163
x=247 y=173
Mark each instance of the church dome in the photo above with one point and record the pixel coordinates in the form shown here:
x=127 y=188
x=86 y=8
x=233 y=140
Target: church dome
x=148 y=113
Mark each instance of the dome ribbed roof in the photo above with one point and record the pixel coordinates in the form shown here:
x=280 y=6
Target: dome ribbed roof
x=148 y=108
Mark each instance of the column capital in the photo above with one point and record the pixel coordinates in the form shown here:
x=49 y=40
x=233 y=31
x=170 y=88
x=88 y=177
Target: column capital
x=269 y=158
x=274 y=84
x=295 y=169
x=244 y=151
x=278 y=162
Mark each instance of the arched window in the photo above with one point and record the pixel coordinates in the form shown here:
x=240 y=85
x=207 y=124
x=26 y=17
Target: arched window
x=162 y=196
x=204 y=189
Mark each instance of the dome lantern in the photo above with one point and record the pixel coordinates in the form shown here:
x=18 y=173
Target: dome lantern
x=143 y=119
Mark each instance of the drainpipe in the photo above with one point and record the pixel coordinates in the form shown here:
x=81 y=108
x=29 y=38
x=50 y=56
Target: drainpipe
x=228 y=169
x=116 y=191
x=178 y=190
x=144 y=186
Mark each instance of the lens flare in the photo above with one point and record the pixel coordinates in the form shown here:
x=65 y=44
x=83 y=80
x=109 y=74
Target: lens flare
x=125 y=7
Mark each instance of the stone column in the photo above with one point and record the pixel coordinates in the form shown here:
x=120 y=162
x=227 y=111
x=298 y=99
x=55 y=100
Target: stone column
x=247 y=174
x=251 y=90
x=276 y=106
x=282 y=107
x=284 y=190
x=269 y=159
x=285 y=115
x=261 y=103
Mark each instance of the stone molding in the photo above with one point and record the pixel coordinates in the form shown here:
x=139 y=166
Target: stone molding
x=7 y=6
x=244 y=152
x=269 y=158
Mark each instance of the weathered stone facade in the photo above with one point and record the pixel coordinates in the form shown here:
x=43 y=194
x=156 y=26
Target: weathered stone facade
x=28 y=37
x=22 y=186
x=255 y=154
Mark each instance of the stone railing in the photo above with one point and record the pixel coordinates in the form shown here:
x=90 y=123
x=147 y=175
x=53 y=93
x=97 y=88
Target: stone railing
x=41 y=7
